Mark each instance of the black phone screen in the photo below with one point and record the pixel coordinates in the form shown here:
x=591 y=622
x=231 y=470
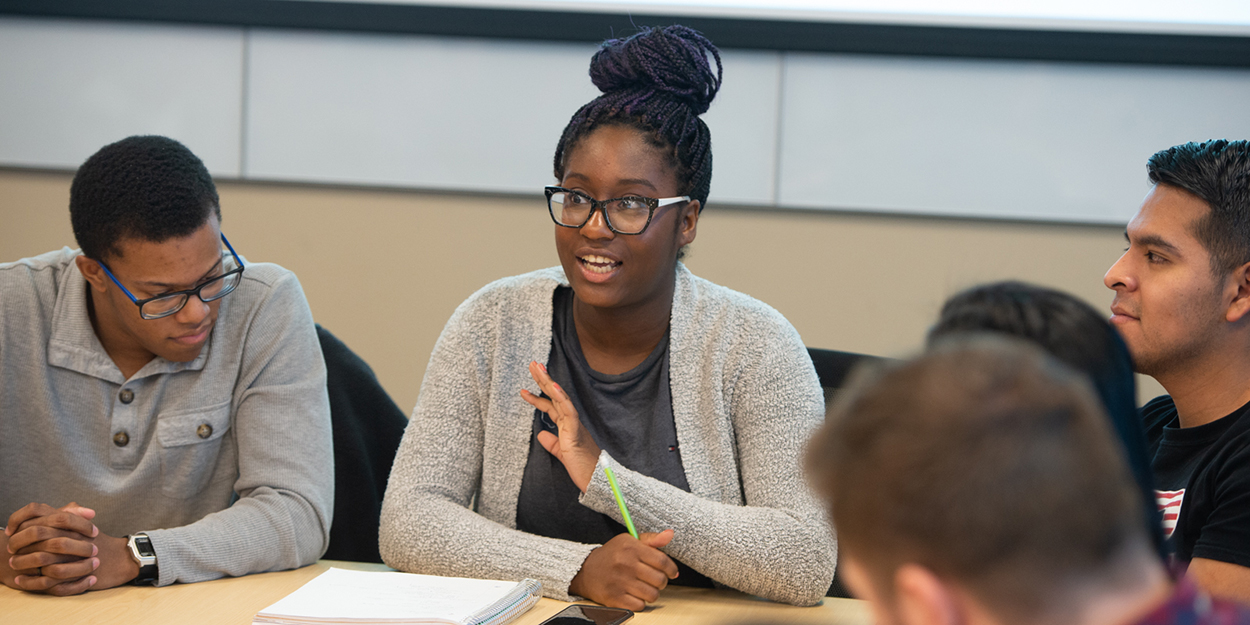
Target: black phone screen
x=589 y=615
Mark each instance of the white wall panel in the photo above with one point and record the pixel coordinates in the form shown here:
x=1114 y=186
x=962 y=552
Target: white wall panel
x=991 y=138
x=410 y=111
x=67 y=88
x=462 y=114
x=743 y=120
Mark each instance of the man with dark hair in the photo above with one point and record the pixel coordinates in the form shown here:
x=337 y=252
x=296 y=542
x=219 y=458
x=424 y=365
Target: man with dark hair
x=1182 y=304
x=1079 y=336
x=163 y=404
x=981 y=484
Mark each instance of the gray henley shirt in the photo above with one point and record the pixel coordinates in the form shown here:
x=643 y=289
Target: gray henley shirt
x=225 y=461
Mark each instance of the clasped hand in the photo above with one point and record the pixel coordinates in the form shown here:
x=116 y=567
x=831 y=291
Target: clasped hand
x=59 y=551
x=626 y=572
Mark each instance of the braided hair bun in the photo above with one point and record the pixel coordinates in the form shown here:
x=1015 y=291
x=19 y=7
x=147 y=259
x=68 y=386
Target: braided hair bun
x=666 y=62
x=657 y=81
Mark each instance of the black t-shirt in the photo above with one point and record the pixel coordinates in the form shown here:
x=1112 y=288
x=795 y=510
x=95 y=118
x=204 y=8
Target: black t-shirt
x=629 y=415
x=1202 y=475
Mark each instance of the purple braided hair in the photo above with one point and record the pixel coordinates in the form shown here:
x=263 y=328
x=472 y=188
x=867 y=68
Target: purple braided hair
x=657 y=81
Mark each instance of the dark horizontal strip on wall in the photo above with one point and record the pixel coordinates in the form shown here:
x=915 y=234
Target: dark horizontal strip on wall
x=758 y=34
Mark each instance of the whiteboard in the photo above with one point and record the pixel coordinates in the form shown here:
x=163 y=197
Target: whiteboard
x=994 y=139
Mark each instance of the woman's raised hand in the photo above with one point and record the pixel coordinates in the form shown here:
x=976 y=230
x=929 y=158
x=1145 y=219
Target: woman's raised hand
x=574 y=447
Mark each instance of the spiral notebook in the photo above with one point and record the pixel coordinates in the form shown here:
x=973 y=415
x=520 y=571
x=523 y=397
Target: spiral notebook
x=345 y=596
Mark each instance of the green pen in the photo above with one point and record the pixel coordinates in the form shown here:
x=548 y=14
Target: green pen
x=629 y=523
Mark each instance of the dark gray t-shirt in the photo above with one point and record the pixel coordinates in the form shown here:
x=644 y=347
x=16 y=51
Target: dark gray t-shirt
x=629 y=415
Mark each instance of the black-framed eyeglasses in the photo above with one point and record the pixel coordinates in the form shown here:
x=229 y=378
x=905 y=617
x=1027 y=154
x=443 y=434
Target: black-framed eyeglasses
x=624 y=215
x=210 y=290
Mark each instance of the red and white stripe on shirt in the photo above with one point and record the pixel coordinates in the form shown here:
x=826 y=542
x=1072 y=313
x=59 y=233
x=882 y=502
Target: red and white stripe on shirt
x=1170 y=505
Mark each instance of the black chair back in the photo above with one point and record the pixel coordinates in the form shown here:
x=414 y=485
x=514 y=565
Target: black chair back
x=367 y=427
x=832 y=367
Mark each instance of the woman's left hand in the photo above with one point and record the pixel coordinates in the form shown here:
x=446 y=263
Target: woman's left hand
x=574 y=447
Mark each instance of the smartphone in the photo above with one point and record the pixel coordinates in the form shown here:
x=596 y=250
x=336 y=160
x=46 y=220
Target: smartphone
x=589 y=615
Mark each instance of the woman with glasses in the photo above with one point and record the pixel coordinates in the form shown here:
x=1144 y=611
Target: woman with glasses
x=697 y=397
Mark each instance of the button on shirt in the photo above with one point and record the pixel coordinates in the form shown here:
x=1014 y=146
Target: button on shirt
x=225 y=461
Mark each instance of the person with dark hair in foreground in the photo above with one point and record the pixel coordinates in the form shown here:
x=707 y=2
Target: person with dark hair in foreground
x=981 y=484
x=698 y=397
x=1182 y=304
x=1074 y=332
x=163 y=404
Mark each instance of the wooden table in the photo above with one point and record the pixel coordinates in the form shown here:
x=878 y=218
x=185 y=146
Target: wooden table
x=234 y=601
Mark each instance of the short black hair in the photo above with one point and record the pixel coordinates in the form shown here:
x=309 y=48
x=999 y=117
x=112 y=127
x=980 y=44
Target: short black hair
x=146 y=187
x=1218 y=173
x=658 y=81
x=1075 y=333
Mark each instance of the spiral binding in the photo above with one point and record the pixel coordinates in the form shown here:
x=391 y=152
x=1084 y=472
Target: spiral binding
x=513 y=604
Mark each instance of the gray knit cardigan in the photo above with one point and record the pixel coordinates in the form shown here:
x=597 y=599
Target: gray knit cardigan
x=745 y=400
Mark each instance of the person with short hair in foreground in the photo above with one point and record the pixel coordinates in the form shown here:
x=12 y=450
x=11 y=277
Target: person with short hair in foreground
x=163 y=409
x=980 y=483
x=1075 y=333
x=1182 y=304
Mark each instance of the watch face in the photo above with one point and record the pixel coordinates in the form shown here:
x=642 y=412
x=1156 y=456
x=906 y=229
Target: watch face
x=144 y=545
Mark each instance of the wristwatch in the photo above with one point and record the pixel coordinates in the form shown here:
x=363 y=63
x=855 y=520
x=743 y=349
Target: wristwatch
x=143 y=553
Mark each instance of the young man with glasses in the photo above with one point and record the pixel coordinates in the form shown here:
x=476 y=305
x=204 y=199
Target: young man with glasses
x=162 y=403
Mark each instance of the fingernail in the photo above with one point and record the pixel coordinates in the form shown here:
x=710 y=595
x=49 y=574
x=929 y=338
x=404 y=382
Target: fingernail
x=91 y=581
x=95 y=563
x=543 y=367
x=19 y=580
x=95 y=531
x=11 y=563
x=95 y=550
x=557 y=387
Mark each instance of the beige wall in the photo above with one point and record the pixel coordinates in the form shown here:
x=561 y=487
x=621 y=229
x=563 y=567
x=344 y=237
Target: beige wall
x=384 y=269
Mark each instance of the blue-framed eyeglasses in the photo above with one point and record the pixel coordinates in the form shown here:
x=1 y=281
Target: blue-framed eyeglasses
x=210 y=290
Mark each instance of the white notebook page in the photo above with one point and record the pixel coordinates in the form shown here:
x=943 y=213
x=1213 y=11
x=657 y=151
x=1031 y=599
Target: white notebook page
x=344 y=595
